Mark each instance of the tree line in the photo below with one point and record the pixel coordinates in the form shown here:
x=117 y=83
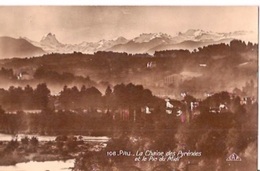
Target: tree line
x=120 y=96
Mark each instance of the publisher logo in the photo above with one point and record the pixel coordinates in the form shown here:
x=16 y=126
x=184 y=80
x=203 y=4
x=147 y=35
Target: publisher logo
x=233 y=157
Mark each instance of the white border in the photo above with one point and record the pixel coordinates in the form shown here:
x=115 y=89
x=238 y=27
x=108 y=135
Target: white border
x=149 y=3
x=133 y=2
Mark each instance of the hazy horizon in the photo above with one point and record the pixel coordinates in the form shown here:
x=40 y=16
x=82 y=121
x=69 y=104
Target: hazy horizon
x=75 y=24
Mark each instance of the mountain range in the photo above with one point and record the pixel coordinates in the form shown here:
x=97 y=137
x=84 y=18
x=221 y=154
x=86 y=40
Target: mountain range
x=144 y=43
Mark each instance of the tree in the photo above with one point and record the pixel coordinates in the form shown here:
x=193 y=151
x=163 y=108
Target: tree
x=93 y=97
x=108 y=92
x=28 y=97
x=12 y=145
x=1 y=110
x=83 y=89
x=64 y=97
x=42 y=95
x=34 y=141
x=25 y=140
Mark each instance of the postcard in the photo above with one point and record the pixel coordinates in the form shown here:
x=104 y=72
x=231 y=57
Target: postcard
x=128 y=88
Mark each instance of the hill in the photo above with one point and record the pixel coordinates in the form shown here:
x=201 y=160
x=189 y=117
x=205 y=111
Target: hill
x=10 y=47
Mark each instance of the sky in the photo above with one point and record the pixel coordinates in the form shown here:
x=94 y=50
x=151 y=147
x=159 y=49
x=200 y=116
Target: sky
x=93 y=23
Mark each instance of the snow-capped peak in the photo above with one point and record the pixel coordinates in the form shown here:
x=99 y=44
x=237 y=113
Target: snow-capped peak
x=197 y=35
x=50 y=40
x=192 y=32
x=120 y=39
x=146 y=37
x=47 y=36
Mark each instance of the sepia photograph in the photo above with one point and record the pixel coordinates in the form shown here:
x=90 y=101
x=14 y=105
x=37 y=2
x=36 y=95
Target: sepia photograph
x=129 y=88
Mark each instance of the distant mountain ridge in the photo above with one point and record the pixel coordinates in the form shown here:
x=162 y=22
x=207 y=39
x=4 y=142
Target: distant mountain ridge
x=190 y=40
x=50 y=43
x=143 y=43
x=11 y=47
x=146 y=42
